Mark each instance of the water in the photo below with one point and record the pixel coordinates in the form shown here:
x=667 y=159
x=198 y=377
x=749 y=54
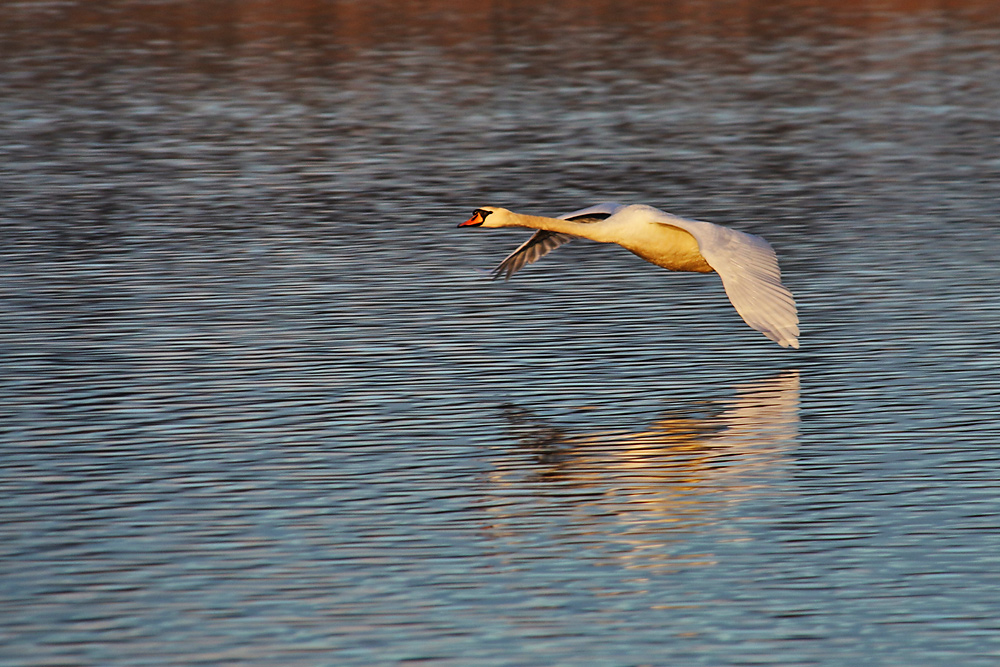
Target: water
x=258 y=406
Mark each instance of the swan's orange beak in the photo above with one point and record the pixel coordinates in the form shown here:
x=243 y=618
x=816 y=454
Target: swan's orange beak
x=476 y=220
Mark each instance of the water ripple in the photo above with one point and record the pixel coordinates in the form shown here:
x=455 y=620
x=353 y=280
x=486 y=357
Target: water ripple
x=257 y=405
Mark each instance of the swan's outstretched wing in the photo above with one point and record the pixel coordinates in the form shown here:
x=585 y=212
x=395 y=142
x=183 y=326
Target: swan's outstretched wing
x=749 y=271
x=540 y=244
x=543 y=242
x=599 y=211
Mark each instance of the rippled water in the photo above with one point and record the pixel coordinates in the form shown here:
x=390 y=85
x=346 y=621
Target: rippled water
x=258 y=406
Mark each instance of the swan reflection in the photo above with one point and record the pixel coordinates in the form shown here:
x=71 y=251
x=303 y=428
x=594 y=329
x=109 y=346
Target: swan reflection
x=680 y=473
x=759 y=423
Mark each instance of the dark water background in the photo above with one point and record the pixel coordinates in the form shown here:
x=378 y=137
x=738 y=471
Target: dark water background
x=258 y=407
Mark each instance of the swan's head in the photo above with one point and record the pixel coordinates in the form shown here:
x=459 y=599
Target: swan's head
x=487 y=216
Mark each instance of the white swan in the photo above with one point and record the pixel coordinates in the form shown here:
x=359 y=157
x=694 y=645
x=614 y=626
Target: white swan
x=746 y=263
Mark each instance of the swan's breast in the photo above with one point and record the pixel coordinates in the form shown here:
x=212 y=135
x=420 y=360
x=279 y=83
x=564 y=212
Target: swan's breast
x=667 y=246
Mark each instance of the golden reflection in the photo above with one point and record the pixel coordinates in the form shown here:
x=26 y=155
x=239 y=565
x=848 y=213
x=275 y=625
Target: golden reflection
x=644 y=488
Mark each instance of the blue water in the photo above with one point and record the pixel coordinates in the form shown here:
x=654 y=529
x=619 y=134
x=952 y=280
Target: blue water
x=259 y=407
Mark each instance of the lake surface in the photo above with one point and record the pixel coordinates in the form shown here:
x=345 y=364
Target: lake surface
x=258 y=404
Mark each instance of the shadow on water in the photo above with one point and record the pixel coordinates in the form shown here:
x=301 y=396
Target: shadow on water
x=681 y=447
x=641 y=489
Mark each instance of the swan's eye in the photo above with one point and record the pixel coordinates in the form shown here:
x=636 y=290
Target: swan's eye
x=481 y=213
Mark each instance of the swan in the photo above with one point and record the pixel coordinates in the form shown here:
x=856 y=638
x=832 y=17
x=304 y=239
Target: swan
x=746 y=263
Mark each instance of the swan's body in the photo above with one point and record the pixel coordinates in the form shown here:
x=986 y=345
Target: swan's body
x=746 y=263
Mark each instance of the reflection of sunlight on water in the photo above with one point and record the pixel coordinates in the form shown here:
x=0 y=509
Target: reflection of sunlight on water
x=676 y=475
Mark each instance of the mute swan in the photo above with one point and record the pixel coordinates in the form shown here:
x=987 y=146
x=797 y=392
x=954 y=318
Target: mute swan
x=746 y=263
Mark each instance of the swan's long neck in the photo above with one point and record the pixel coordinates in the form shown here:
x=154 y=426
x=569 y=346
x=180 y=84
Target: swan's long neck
x=590 y=231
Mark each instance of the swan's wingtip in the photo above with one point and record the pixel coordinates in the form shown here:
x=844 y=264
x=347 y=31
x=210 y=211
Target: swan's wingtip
x=493 y=274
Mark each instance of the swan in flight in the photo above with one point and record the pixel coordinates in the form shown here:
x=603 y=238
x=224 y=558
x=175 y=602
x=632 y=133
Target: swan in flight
x=746 y=263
